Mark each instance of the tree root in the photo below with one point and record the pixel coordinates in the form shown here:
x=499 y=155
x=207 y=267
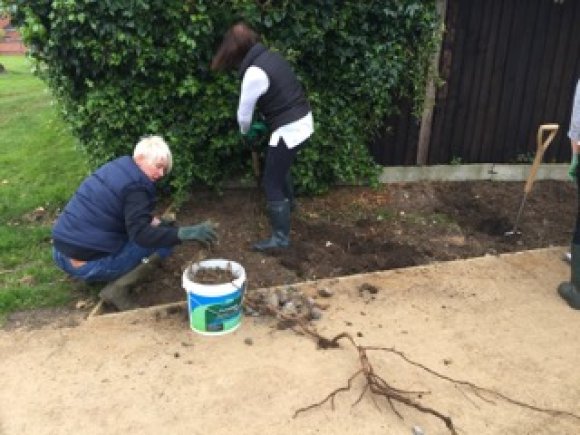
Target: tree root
x=377 y=385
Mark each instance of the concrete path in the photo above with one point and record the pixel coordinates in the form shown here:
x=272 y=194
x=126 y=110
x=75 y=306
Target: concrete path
x=495 y=321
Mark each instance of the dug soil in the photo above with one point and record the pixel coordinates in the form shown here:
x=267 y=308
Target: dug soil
x=353 y=230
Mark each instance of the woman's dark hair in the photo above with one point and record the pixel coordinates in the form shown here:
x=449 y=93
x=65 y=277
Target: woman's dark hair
x=236 y=43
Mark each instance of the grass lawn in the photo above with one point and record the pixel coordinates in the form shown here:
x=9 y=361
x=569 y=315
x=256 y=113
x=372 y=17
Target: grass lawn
x=40 y=168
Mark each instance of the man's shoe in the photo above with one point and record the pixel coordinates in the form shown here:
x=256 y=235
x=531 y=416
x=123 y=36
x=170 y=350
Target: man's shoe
x=118 y=296
x=117 y=293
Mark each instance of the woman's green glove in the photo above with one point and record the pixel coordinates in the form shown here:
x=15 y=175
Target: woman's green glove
x=573 y=167
x=257 y=129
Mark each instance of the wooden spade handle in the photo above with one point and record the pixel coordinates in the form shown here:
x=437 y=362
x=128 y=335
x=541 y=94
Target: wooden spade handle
x=543 y=144
x=256 y=163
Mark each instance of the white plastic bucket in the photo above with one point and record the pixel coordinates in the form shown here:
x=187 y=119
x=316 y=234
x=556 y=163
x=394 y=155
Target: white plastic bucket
x=215 y=309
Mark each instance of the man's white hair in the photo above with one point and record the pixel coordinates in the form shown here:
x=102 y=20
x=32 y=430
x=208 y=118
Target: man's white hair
x=154 y=148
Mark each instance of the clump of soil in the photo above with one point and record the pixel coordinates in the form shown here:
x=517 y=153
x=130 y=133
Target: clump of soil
x=354 y=230
x=287 y=304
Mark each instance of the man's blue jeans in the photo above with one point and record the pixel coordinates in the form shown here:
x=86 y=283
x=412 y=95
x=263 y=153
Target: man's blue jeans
x=109 y=268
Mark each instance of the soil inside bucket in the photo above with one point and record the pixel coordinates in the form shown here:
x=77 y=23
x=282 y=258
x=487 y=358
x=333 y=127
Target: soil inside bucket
x=211 y=275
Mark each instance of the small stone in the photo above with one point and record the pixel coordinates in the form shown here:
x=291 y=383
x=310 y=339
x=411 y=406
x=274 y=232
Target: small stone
x=272 y=301
x=261 y=293
x=298 y=301
x=418 y=431
x=248 y=341
x=282 y=295
x=176 y=355
x=366 y=287
x=289 y=309
x=324 y=292
x=249 y=311
x=292 y=290
x=323 y=306
x=447 y=361
x=315 y=313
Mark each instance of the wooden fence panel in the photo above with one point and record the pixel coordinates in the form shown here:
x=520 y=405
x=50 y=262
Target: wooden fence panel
x=508 y=66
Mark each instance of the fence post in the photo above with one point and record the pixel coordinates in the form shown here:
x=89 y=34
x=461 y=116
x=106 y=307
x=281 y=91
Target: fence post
x=429 y=102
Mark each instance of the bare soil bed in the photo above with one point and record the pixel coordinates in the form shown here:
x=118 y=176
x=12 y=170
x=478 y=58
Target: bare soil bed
x=347 y=231
x=354 y=230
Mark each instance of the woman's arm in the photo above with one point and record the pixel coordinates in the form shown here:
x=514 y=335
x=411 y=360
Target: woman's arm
x=254 y=84
x=574 y=132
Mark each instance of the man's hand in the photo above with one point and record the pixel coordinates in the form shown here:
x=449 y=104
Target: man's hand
x=165 y=220
x=204 y=232
x=257 y=129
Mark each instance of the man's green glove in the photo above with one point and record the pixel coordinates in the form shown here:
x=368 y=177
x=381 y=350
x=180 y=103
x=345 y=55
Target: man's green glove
x=573 y=167
x=257 y=129
x=204 y=232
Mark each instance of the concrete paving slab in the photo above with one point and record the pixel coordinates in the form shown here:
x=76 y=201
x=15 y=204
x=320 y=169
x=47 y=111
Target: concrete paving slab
x=495 y=321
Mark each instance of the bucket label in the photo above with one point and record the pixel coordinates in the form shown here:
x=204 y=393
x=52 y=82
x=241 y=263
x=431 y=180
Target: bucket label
x=215 y=314
x=219 y=316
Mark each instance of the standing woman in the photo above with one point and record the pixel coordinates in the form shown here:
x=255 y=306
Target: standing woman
x=570 y=291
x=269 y=85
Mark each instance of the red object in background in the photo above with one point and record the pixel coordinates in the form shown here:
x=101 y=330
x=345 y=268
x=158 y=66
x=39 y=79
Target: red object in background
x=12 y=41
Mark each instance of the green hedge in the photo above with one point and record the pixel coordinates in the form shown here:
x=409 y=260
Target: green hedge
x=122 y=69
